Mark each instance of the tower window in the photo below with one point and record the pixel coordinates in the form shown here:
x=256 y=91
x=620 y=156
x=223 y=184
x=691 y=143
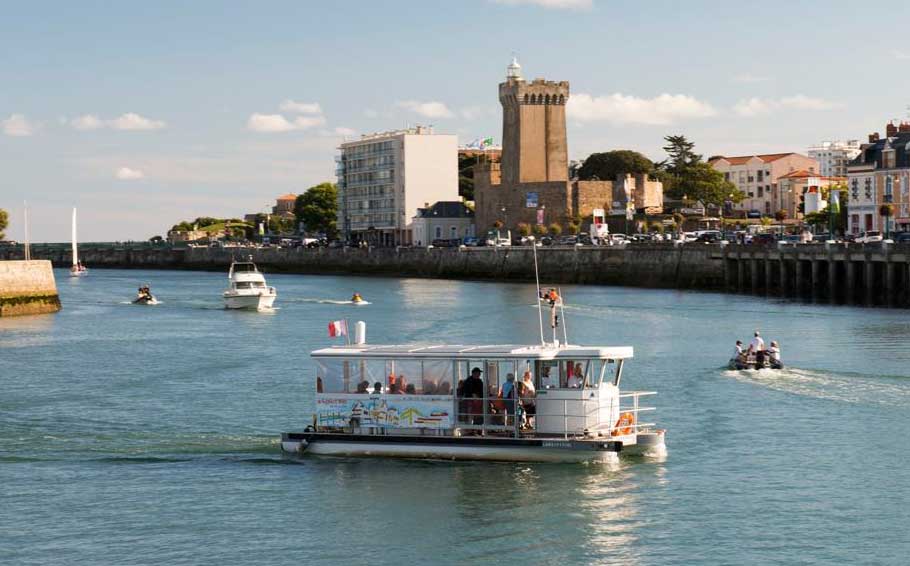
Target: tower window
x=526 y=98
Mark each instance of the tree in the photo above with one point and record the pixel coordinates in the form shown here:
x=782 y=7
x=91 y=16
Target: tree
x=781 y=215
x=607 y=165
x=555 y=229
x=317 y=208
x=681 y=155
x=573 y=228
x=4 y=222
x=524 y=229
x=680 y=220
x=765 y=221
x=539 y=229
x=701 y=182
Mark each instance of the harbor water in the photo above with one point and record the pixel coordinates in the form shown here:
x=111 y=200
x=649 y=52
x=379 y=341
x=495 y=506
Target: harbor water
x=149 y=434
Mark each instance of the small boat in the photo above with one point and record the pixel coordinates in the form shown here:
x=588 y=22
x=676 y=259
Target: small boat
x=750 y=362
x=358 y=300
x=247 y=288
x=77 y=269
x=144 y=297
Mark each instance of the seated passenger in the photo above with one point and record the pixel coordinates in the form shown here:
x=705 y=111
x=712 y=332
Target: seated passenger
x=509 y=393
x=429 y=387
x=444 y=388
x=363 y=387
x=377 y=388
x=774 y=352
x=410 y=389
x=574 y=381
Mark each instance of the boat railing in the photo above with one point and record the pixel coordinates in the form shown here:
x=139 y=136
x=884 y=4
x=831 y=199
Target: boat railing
x=635 y=409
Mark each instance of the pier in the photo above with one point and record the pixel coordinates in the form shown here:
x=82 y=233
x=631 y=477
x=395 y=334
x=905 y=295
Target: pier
x=875 y=275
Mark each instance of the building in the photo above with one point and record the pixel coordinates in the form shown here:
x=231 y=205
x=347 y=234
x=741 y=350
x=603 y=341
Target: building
x=756 y=176
x=531 y=182
x=802 y=188
x=384 y=178
x=880 y=175
x=833 y=156
x=445 y=220
x=284 y=205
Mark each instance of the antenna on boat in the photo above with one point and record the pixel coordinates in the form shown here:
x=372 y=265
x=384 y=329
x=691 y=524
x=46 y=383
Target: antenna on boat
x=537 y=298
x=562 y=311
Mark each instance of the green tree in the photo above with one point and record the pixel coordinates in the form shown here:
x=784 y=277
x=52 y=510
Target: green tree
x=607 y=165
x=4 y=222
x=466 y=165
x=573 y=228
x=524 y=229
x=539 y=229
x=317 y=208
x=555 y=229
x=701 y=182
x=679 y=149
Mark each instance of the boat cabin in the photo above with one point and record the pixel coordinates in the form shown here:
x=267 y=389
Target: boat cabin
x=509 y=390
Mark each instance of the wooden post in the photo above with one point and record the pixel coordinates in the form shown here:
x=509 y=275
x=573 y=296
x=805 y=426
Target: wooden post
x=889 y=282
x=769 y=282
x=815 y=283
x=740 y=274
x=832 y=279
x=850 y=296
x=753 y=268
x=869 y=281
x=798 y=283
x=784 y=282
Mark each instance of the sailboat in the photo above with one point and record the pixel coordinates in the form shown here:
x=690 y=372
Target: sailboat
x=77 y=269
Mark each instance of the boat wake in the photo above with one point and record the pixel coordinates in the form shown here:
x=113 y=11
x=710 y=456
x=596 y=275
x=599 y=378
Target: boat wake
x=331 y=302
x=890 y=391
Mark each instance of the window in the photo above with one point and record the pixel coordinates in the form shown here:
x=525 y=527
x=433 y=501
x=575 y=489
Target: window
x=453 y=232
x=438 y=232
x=760 y=175
x=761 y=191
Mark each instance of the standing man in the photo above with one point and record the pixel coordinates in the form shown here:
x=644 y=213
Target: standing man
x=472 y=391
x=757 y=346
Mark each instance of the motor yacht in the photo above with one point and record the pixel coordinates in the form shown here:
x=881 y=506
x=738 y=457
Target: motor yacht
x=247 y=287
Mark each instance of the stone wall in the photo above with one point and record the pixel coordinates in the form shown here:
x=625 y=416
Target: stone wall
x=657 y=265
x=27 y=287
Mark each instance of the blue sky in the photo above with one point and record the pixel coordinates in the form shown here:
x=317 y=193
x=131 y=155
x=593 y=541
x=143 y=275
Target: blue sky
x=146 y=113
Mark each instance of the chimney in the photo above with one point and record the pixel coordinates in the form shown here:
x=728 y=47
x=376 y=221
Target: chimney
x=873 y=137
x=904 y=127
x=890 y=130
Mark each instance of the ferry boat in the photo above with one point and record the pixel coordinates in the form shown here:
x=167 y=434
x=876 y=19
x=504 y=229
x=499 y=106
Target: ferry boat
x=422 y=401
x=248 y=289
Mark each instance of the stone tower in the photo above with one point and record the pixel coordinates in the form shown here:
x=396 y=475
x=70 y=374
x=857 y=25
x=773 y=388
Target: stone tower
x=534 y=147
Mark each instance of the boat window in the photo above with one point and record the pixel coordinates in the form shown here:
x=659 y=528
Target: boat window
x=437 y=377
x=258 y=284
x=243 y=285
x=366 y=374
x=404 y=377
x=547 y=374
x=575 y=374
x=244 y=267
x=333 y=376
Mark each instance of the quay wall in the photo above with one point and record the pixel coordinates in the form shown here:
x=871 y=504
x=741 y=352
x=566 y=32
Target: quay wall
x=27 y=287
x=659 y=265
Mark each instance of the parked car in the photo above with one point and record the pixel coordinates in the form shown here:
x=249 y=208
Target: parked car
x=618 y=238
x=446 y=243
x=753 y=214
x=791 y=239
x=568 y=240
x=471 y=242
x=765 y=239
x=709 y=236
x=901 y=238
x=869 y=237
x=546 y=241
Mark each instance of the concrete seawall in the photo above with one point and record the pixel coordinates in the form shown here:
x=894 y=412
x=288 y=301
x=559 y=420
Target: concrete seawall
x=667 y=266
x=27 y=287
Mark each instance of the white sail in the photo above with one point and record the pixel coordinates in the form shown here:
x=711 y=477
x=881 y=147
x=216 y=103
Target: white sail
x=75 y=251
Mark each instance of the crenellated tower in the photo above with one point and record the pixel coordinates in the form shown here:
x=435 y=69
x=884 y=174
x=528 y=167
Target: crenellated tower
x=534 y=147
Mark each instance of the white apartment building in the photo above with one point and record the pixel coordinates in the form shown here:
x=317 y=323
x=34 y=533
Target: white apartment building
x=756 y=176
x=833 y=156
x=384 y=178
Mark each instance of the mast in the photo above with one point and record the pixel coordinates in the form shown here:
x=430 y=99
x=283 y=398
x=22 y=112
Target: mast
x=75 y=251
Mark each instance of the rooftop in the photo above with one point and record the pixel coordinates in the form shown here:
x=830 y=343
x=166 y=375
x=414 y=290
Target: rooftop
x=466 y=352
x=743 y=159
x=446 y=209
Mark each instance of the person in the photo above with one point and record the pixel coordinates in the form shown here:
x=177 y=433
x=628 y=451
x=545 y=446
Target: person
x=546 y=380
x=574 y=381
x=363 y=387
x=757 y=347
x=444 y=388
x=356 y=298
x=508 y=394
x=472 y=392
x=774 y=352
x=393 y=385
x=377 y=388
x=410 y=389
x=527 y=393
x=738 y=351
x=429 y=387
x=553 y=297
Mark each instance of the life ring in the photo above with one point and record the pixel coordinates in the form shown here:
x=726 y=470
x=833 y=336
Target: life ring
x=624 y=424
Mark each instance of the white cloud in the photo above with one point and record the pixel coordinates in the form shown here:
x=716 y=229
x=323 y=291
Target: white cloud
x=750 y=78
x=901 y=55
x=759 y=106
x=370 y=113
x=127 y=174
x=430 y=109
x=342 y=131
x=555 y=4
x=301 y=107
x=621 y=109
x=271 y=123
x=476 y=112
x=17 y=125
x=87 y=122
x=133 y=121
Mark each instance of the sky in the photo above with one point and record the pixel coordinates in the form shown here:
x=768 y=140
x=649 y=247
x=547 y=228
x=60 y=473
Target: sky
x=143 y=114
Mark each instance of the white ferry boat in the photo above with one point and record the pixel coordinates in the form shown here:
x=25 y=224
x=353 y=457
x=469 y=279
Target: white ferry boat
x=248 y=289
x=453 y=402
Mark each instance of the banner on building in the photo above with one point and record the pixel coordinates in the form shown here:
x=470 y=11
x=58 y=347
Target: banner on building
x=531 y=200
x=540 y=216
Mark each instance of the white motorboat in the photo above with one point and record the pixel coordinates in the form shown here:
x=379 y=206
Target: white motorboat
x=247 y=288
x=77 y=269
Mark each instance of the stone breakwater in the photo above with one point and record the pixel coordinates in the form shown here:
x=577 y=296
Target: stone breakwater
x=656 y=265
x=27 y=287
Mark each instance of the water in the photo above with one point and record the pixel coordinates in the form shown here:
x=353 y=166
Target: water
x=148 y=435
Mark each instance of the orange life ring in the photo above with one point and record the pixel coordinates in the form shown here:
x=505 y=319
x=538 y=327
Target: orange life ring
x=624 y=424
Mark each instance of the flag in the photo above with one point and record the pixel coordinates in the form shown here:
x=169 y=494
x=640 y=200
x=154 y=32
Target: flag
x=834 y=205
x=338 y=328
x=486 y=142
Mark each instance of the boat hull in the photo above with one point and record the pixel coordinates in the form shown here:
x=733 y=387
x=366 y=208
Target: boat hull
x=249 y=302
x=451 y=448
